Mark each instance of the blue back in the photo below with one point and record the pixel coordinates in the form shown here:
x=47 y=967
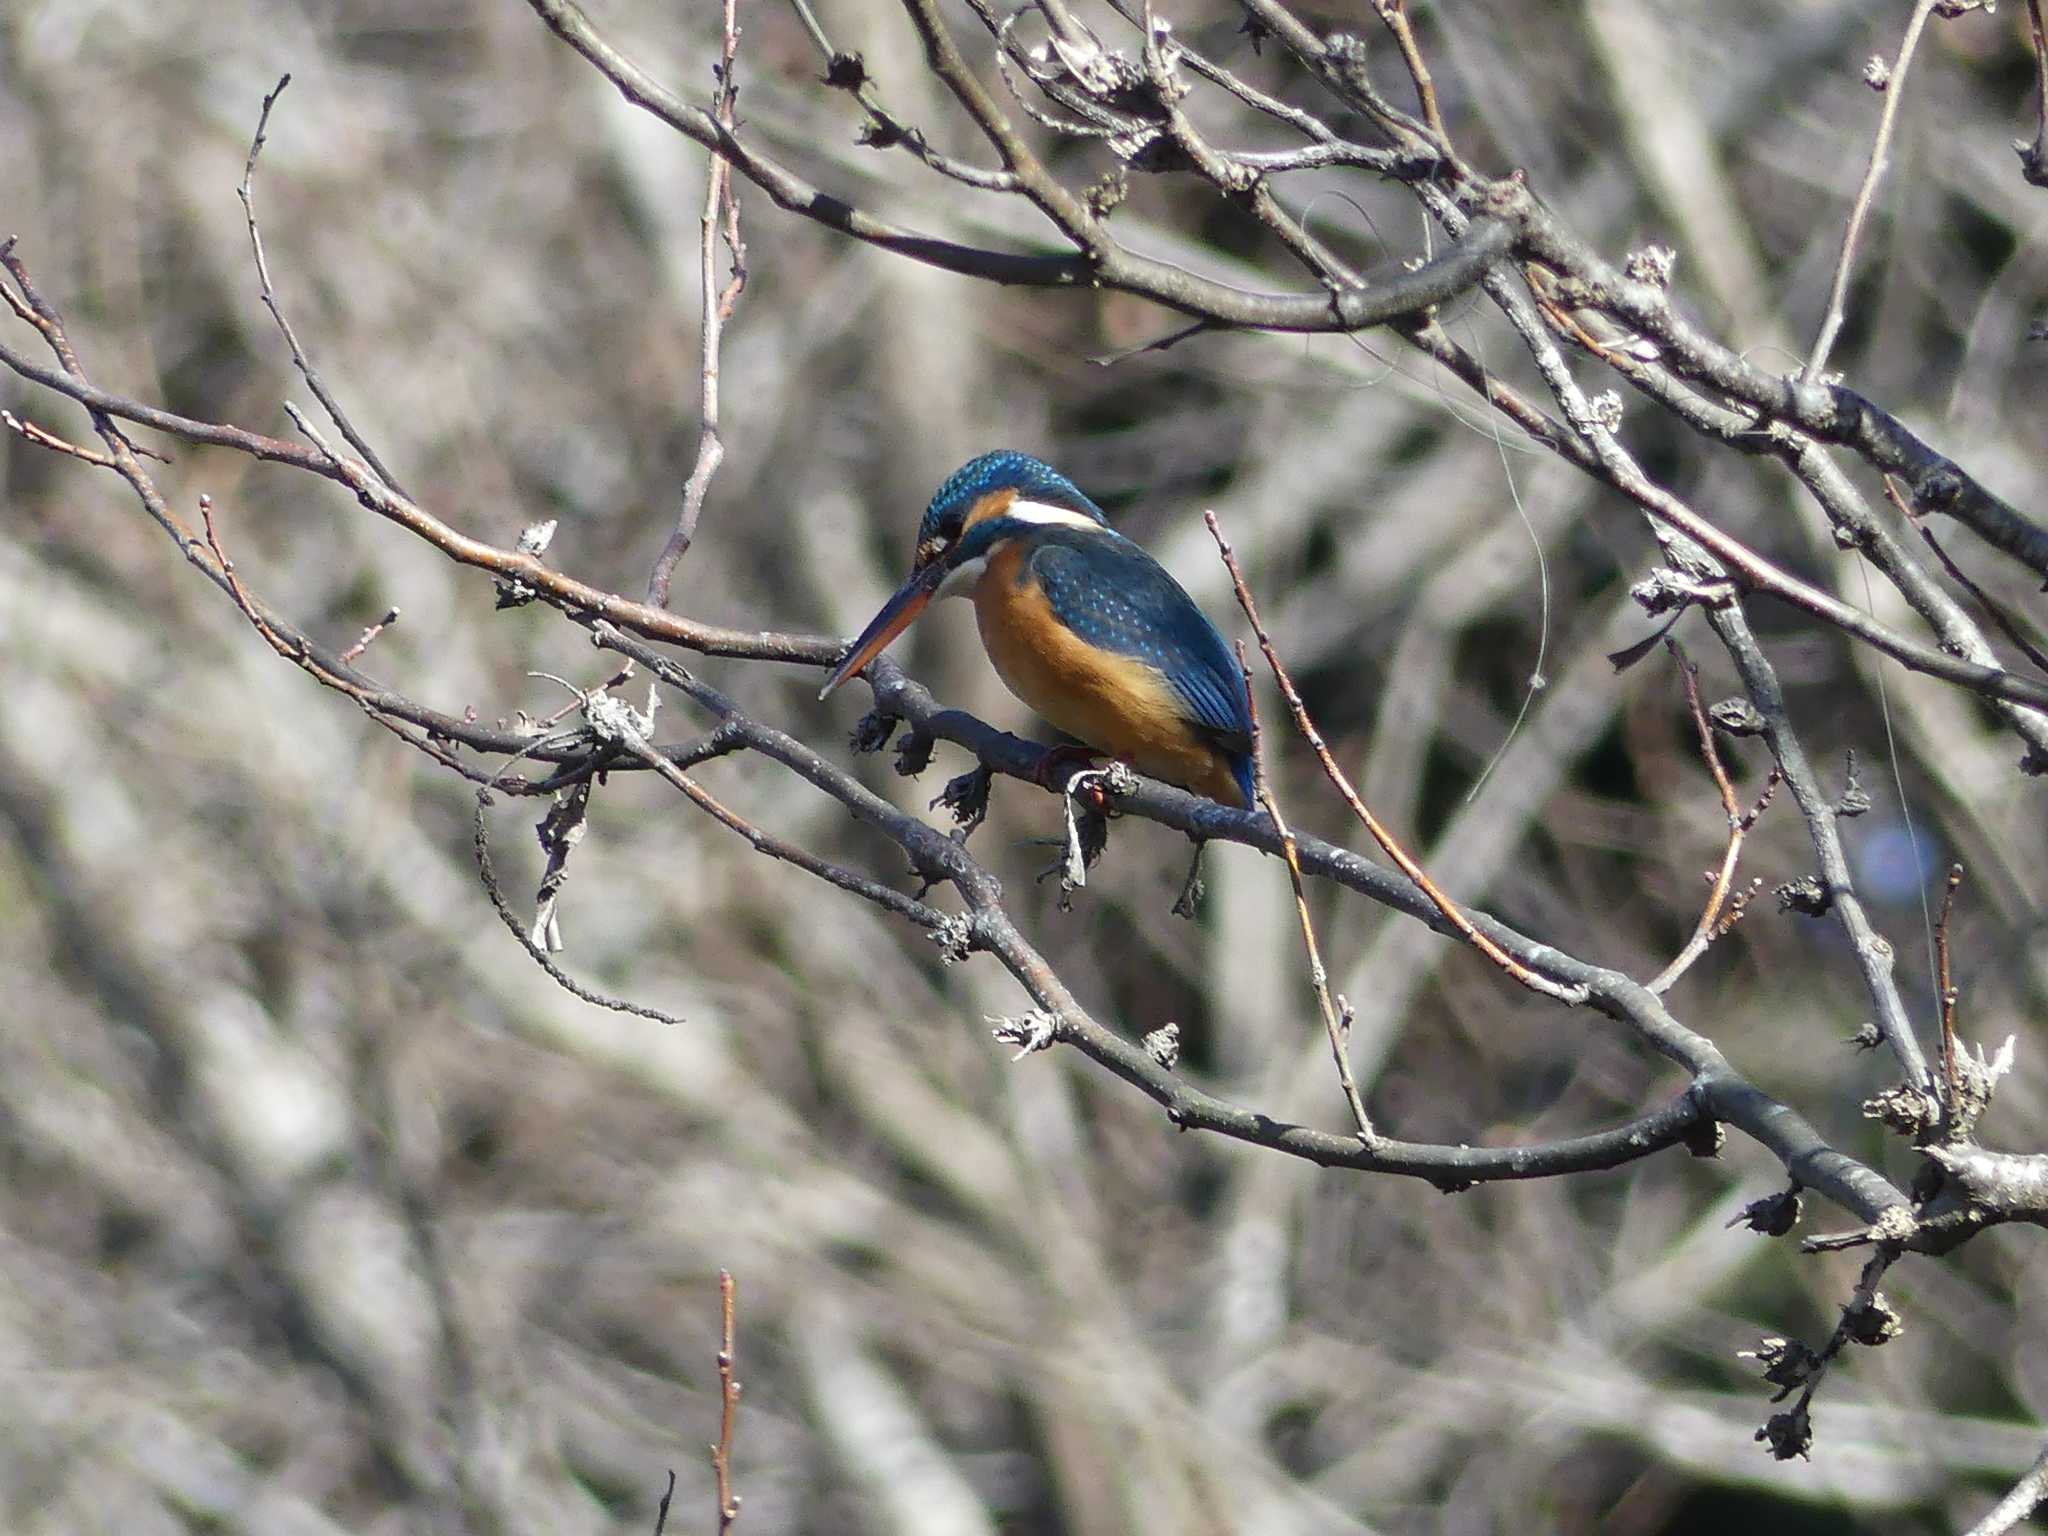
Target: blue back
x=1114 y=595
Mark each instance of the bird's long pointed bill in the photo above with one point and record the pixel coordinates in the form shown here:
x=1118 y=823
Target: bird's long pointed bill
x=910 y=600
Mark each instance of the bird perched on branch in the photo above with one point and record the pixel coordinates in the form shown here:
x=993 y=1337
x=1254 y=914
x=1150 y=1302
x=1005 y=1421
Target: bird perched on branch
x=1081 y=624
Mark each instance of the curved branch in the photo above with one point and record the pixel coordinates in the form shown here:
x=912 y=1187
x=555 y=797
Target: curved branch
x=1389 y=293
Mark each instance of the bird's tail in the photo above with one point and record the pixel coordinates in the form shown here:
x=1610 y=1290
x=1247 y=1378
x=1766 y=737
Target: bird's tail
x=1241 y=770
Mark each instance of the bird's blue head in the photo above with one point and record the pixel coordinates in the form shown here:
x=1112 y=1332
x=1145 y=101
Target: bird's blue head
x=977 y=486
x=985 y=501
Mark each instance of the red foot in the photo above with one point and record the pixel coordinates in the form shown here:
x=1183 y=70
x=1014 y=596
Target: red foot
x=1058 y=767
x=1061 y=762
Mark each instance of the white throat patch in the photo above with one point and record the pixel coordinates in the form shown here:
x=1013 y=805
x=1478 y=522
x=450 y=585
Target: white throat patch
x=959 y=582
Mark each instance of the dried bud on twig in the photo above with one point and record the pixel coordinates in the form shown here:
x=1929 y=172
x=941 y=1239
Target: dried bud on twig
x=1788 y=1364
x=1034 y=1031
x=1652 y=264
x=1163 y=1045
x=1737 y=716
x=1773 y=1216
x=1904 y=1109
x=1789 y=1434
x=1806 y=894
x=1872 y=1322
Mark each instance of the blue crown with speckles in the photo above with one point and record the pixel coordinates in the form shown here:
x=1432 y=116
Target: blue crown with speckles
x=1004 y=470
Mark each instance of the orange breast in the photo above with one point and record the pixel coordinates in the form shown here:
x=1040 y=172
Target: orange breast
x=1113 y=703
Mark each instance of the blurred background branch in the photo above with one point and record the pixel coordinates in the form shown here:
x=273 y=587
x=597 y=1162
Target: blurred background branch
x=328 y=1215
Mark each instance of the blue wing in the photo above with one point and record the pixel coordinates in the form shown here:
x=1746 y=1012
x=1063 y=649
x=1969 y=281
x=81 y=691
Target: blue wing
x=1113 y=594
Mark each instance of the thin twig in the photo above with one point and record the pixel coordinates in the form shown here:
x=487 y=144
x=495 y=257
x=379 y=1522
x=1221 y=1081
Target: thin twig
x=1336 y=1014
x=50 y=440
x=1711 y=925
x=661 y=1510
x=729 y=1402
x=236 y=590
x=369 y=636
x=847 y=72
x=1999 y=616
x=2034 y=156
x=480 y=842
x=721 y=215
x=1687 y=539
x=1949 y=994
x=247 y=193
x=2021 y=1502
x=1314 y=737
x=1395 y=14
x=1838 y=291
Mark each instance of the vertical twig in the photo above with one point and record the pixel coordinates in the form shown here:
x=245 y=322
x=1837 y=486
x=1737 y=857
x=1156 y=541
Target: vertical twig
x=1395 y=14
x=729 y=1402
x=247 y=193
x=1894 y=89
x=661 y=1510
x=1337 y=1013
x=721 y=216
x=1459 y=922
x=1948 y=989
x=2034 y=156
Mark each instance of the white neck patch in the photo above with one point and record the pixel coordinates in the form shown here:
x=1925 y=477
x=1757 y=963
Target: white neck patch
x=959 y=582
x=1042 y=512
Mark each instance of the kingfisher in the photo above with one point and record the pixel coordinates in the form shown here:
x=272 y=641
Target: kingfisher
x=1080 y=623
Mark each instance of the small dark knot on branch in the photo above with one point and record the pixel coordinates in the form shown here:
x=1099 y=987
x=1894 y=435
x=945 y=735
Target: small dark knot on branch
x=872 y=731
x=1034 y=1031
x=1163 y=1045
x=1788 y=1434
x=1705 y=1137
x=846 y=72
x=1788 y=1364
x=1664 y=590
x=1772 y=1216
x=966 y=797
x=1737 y=716
x=955 y=938
x=1910 y=1111
x=914 y=754
x=1346 y=48
x=1652 y=265
x=1872 y=1322
x=1807 y=894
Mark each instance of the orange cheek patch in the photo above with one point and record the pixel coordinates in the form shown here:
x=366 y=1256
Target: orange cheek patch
x=994 y=504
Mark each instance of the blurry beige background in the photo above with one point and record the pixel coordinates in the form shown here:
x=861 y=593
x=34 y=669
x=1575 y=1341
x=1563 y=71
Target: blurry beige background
x=324 y=1210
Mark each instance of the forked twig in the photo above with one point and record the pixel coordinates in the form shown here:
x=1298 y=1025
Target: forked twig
x=721 y=215
x=1712 y=924
x=247 y=193
x=1395 y=14
x=1999 y=616
x=480 y=844
x=1838 y=291
x=1407 y=865
x=43 y=438
x=1336 y=1013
